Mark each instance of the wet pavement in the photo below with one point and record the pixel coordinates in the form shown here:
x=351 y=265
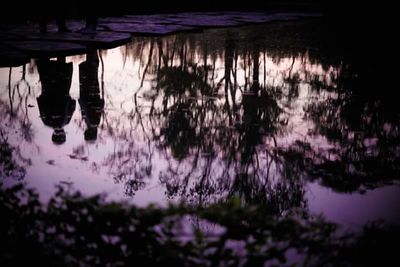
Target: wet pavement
x=23 y=41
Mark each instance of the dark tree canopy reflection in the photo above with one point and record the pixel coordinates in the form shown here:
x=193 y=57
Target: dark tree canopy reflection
x=254 y=112
x=232 y=124
x=220 y=135
x=361 y=120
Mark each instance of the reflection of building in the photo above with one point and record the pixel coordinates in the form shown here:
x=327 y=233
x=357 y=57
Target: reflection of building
x=90 y=100
x=55 y=104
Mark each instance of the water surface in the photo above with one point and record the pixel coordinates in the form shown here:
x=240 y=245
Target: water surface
x=267 y=113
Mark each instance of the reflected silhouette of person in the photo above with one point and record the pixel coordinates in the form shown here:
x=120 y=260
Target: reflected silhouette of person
x=56 y=106
x=90 y=101
x=47 y=10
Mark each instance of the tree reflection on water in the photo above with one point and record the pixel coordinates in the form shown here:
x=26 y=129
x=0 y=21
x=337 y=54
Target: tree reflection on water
x=231 y=123
x=239 y=112
x=225 y=123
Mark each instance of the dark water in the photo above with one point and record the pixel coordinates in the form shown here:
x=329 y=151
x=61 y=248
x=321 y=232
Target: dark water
x=272 y=114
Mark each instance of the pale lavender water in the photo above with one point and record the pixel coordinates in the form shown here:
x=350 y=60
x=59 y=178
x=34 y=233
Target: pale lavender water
x=179 y=124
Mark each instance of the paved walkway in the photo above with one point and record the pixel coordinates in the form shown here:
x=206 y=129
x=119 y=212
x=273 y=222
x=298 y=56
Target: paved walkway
x=19 y=43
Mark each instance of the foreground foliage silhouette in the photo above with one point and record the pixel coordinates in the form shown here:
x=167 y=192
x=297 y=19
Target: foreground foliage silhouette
x=73 y=230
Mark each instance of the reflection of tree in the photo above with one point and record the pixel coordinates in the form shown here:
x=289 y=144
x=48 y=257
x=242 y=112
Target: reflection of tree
x=363 y=127
x=211 y=138
x=213 y=127
x=14 y=117
x=182 y=88
x=212 y=107
x=214 y=114
x=130 y=165
x=16 y=111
